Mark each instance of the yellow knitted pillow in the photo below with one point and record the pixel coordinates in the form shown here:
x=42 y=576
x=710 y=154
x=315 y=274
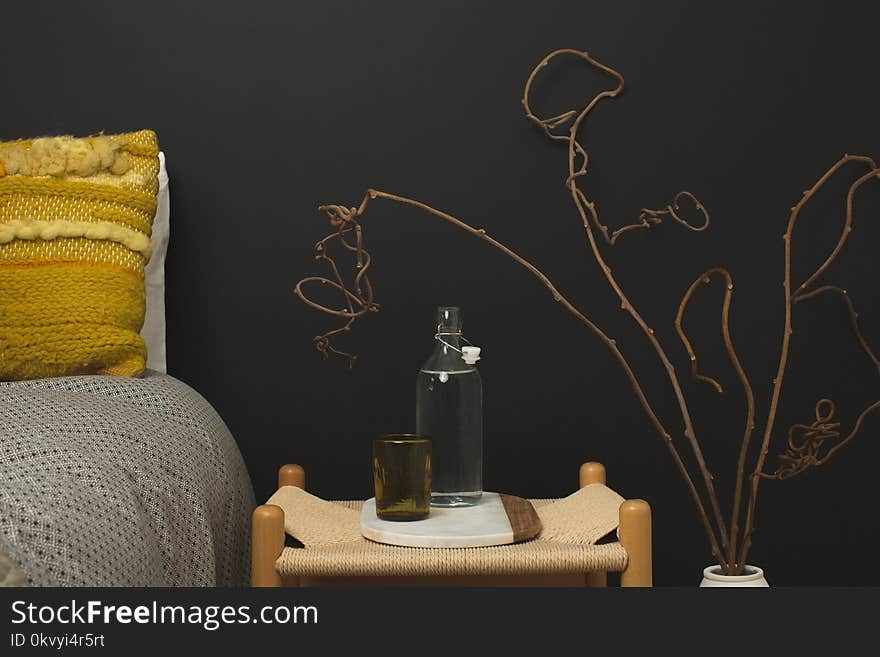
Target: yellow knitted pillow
x=75 y=223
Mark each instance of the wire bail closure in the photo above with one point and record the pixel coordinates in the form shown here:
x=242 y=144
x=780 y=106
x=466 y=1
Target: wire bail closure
x=469 y=354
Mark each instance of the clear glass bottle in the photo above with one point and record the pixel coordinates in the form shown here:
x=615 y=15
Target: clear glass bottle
x=449 y=410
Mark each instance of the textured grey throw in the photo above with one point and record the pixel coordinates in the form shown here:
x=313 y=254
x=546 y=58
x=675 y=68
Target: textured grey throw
x=108 y=481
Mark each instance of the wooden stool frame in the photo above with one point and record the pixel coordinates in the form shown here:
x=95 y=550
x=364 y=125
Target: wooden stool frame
x=267 y=544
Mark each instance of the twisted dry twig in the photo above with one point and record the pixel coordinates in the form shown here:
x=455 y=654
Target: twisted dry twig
x=647 y=217
x=806 y=441
x=359 y=299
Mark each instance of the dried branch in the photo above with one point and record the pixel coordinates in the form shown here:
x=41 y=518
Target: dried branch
x=704 y=278
x=847 y=227
x=791 y=298
x=749 y=429
x=589 y=217
x=647 y=217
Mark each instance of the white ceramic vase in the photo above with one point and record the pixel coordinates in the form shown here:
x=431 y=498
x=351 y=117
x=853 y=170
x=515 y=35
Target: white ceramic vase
x=753 y=576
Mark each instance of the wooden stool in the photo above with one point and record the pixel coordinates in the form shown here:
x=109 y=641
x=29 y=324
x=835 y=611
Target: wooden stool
x=634 y=535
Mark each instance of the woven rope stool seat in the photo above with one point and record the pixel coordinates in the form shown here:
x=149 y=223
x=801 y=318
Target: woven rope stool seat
x=330 y=532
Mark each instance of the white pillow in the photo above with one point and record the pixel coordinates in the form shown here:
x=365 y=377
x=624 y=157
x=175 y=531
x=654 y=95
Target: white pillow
x=153 y=331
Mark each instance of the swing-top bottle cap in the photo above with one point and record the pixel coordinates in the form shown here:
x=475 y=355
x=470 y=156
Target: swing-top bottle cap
x=470 y=355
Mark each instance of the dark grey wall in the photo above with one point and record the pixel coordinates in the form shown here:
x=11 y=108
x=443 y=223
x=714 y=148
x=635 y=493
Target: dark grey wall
x=266 y=109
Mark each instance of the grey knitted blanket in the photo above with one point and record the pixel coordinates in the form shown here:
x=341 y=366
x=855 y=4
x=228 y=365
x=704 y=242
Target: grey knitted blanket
x=108 y=481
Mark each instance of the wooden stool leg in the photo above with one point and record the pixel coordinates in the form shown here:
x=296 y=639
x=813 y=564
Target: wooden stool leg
x=596 y=580
x=292 y=475
x=267 y=543
x=635 y=537
x=594 y=473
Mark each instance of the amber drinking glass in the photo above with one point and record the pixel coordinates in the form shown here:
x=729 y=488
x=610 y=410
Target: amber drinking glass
x=402 y=476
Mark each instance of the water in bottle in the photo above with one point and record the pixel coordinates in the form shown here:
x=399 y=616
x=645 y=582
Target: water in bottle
x=449 y=409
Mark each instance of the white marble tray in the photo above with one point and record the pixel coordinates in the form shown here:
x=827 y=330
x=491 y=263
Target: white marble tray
x=496 y=520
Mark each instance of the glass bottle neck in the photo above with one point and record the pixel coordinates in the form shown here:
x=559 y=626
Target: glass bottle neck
x=448 y=341
x=449 y=321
